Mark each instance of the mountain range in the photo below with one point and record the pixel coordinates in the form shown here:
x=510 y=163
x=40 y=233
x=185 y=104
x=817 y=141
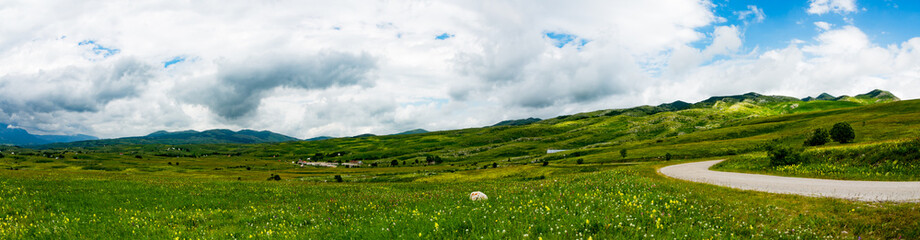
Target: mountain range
x=16 y=136
x=214 y=136
x=874 y=96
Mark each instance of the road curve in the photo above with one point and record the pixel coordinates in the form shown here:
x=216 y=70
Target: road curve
x=853 y=190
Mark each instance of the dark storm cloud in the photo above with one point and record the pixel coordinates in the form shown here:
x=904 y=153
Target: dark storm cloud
x=241 y=86
x=72 y=89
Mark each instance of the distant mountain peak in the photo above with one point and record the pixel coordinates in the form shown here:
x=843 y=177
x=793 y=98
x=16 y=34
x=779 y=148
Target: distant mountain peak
x=213 y=136
x=21 y=137
x=413 y=131
x=751 y=96
x=822 y=96
x=825 y=96
x=879 y=94
x=517 y=122
x=319 y=138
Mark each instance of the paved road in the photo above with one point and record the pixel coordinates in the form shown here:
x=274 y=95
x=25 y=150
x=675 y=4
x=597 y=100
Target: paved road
x=855 y=190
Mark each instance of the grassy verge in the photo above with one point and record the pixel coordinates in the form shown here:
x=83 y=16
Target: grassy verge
x=886 y=161
x=629 y=201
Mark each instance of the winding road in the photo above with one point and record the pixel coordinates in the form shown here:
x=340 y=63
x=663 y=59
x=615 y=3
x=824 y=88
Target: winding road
x=854 y=190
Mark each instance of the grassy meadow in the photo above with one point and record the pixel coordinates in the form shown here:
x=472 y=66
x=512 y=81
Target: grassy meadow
x=885 y=161
x=590 y=191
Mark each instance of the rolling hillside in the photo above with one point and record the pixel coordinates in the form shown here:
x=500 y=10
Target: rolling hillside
x=215 y=136
x=730 y=125
x=20 y=137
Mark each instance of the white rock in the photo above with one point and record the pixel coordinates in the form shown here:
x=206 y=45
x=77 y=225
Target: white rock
x=475 y=196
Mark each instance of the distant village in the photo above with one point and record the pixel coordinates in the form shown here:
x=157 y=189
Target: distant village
x=351 y=164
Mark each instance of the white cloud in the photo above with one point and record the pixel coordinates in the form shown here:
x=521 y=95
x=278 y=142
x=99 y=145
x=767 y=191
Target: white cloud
x=840 y=61
x=820 y=7
x=726 y=40
x=756 y=14
x=353 y=67
x=823 y=25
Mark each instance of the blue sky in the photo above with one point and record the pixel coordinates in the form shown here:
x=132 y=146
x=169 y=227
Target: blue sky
x=885 y=22
x=343 y=68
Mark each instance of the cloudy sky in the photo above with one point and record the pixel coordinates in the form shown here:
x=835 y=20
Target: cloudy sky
x=343 y=68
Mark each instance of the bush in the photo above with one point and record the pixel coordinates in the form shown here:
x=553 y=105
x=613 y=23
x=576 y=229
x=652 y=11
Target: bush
x=338 y=178
x=545 y=163
x=274 y=177
x=580 y=161
x=494 y=165
x=623 y=153
x=783 y=155
x=667 y=156
x=394 y=162
x=842 y=132
x=818 y=138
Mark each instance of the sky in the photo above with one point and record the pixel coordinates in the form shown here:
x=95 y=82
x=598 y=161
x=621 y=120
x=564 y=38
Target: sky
x=344 y=68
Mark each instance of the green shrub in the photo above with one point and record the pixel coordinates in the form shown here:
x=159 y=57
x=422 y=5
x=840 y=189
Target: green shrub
x=784 y=155
x=818 y=138
x=338 y=178
x=623 y=153
x=667 y=156
x=274 y=177
x=580 y=161
x=842 y=132
x=545 y=163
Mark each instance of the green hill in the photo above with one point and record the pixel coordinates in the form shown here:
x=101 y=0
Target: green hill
x=517 y=122
x=318 y=138
x=20 y=137
x=413 y=131
x=215 y=136
x=418 y=184
x=714 y=127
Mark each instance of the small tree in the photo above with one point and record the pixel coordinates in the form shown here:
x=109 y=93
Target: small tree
x=623 y=153
x=338 y=178
x=667 y=156
x=580 y=161
x=394 y=162
x=545 y=163
x=494 y=165
x=842 y=132
x=818 y=138
x=783 y=155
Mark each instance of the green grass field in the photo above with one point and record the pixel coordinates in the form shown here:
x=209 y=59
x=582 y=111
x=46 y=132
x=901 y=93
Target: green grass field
x=885 y=161
x=578 y=202
x=221 y=191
